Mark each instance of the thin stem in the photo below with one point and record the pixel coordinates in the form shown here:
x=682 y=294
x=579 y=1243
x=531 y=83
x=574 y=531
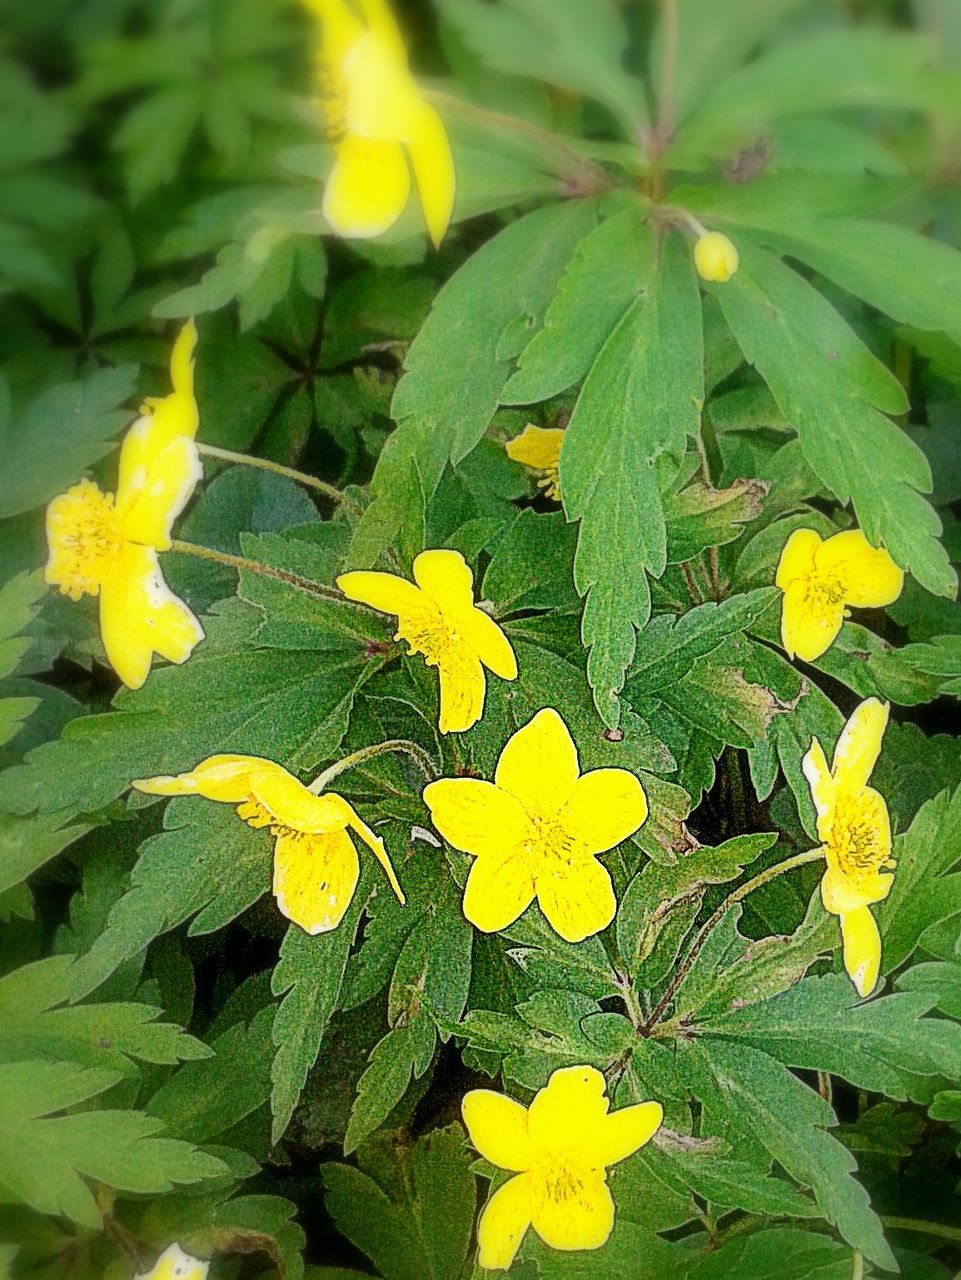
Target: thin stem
x=926 y=1228
x=693 y=589
x=762 y=878
x=265 y=571
x=665 y=106
x=416 y=753
x=824 y=1086
x=857 y=1265
x=264 y=464
x=602 y=180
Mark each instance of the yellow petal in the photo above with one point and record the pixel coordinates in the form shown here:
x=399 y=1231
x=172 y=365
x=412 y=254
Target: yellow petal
x=605 y=807
x=578 y=901
x=860 y=744
x=569 y=1112
x=536 y=447
x=446 y=578
x=497 y=1126
x=862 y=949
x=488 y=642
x=175 y=415
x=462 y=688
x=575 y=1212
x=383 y=102
x=503 y=1223
x=367 y=189
x=174 y=1264
x=797 y=558
x=378 y=849
x=182 y=359
x=382 y=24
x=476 y=816
x=626 y=1131
x=500 y=888
x=841 y=894
x=815 y=769
x=715 y=257
x=140 y=615
x=154 y=495
x=222 y=777
x=869 y=576
x=391 y=594
x=538 y=766
x=433 y=164
x=810 y=621
x=314 y=878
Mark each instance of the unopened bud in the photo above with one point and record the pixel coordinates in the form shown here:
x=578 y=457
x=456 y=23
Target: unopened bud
x=715 y=257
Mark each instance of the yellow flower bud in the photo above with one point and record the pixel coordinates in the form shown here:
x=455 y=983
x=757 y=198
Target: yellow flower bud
x=715 y=257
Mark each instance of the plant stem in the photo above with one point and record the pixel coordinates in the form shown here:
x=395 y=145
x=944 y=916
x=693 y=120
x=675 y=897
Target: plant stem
x=693 y=589
x=416 y=753
x=264 y=464
x=265 y=571
x=601 y=179
x=762 y=878
x=926 y=1228
x=857 y=1265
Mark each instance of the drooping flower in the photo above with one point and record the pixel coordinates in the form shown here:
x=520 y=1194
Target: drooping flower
x=539 y=449
x=315 y=862
x=855 y=830
x=106 y=546
x=559 y=1148
x=536 y=830
x=378 y=120
x=439 y=619
x=820 y=578
x=715 y=257
x=174 y=1264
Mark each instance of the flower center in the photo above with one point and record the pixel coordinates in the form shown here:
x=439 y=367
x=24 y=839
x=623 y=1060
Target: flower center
x=551 y=846
x=548 y=479
x=855 y=841
x=84 y=533
x=825 y=589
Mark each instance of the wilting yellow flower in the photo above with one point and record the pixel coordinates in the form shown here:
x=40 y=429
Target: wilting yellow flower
x=174 y=1264
x=715 y=257
x=819 y=578
x=539 y=448
x=108 y=547
x=375 y=113
x=855 y=829
x=439 y=619
x=315 y=863
x=559 y=1148
x=536 y=830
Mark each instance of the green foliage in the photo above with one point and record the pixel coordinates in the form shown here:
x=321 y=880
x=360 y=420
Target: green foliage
x=181 y=1062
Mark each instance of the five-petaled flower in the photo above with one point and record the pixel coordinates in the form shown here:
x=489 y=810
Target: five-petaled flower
x=375 y=112
x=108 y=547
x=559 y=1149
x=439 y=619
x=855 y=830
x=715 y=257
x=539 y=449
x=174 y=1264
x=820 y=578
x=536 y=829
x=315 y=863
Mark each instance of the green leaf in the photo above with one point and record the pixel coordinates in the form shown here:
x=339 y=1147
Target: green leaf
x=404 y=1052
x=458 y=364
x=19 y=602
x=27 y=843
x=49 y=1155
x=821 y=1023
x=423 y=1229
x=639 y=401
x=60 y=434
x=787 y=1252
x=309 y=975
x=835 y=395
x=90 y=1035
x=746 y=1090
x=700 y=517
x=926 y=890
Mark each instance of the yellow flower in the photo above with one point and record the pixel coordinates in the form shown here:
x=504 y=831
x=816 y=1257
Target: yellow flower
x=438 y=618
x=315 y=863
x=374 y=113
x=108 y=547
x=539 y=448
x=715 y=257
x=559 y=1149
x=855 y=831
x=819 y=578
x=536 y=830
x=174 y=1264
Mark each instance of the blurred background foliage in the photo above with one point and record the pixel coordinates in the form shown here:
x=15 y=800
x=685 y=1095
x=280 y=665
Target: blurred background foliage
x=160 y=160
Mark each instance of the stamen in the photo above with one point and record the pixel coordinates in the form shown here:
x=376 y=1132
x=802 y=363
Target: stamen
x=85 y=539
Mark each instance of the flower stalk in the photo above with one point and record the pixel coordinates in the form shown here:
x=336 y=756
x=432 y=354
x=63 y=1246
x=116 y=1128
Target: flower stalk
x=278 y=468
x=416 y=753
